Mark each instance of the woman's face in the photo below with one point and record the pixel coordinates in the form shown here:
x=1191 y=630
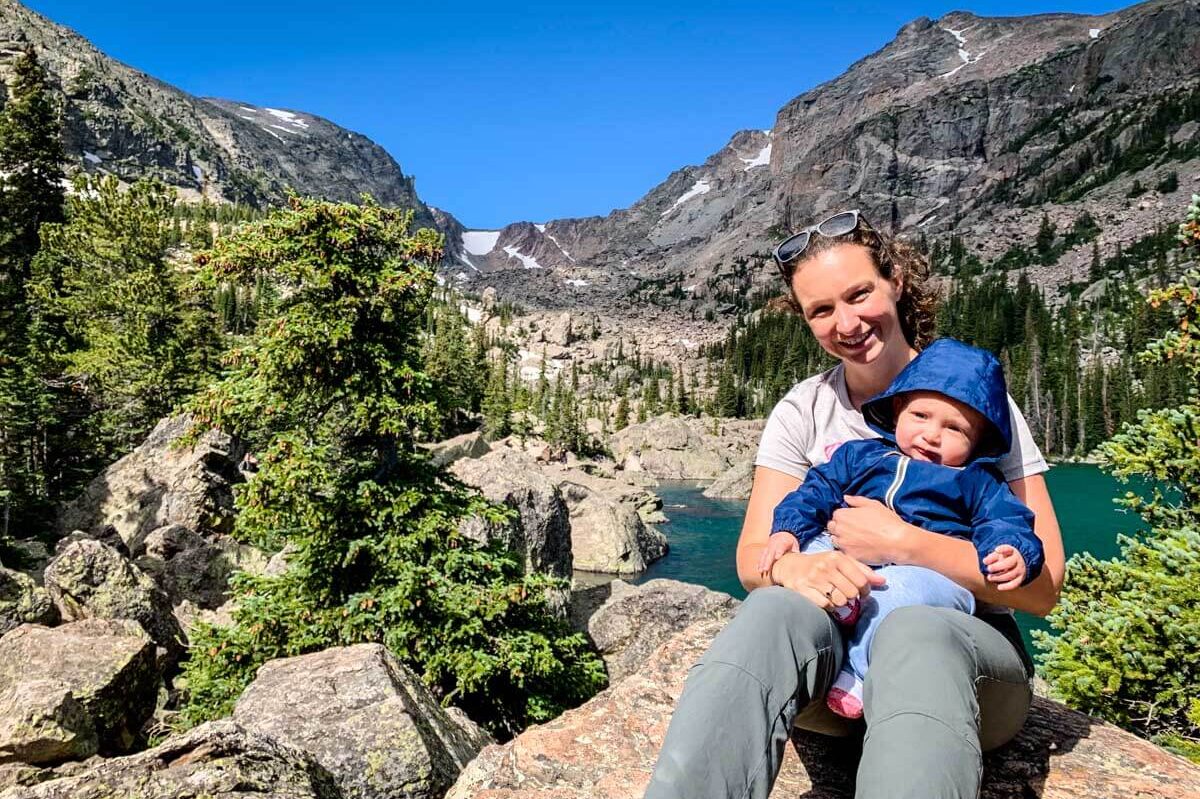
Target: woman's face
x=849 y=306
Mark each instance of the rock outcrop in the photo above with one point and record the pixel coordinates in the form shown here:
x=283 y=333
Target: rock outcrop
x=161 y=483
x=23 y=601
x=734 y=483
x=70 y=691
x=218 y=759
x=608 y=746
x=365 y=717
x=91 y=580
x=542 y=529
x=468 y=445
x=196 y=568
x=634 y=621
x=608 y=535
x=686 y=448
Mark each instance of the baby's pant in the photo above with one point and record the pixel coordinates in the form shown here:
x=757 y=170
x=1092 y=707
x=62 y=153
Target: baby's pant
x=907 y=586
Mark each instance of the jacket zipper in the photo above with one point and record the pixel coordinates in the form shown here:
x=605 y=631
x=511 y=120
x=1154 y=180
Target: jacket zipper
x=897 y=481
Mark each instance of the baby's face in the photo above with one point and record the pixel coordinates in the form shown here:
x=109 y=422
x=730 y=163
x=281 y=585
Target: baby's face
x=932 y=427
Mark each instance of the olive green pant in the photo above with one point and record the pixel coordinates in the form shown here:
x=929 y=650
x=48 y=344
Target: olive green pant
x=942 y=687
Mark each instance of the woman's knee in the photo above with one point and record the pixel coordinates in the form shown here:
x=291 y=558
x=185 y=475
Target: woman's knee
x=776 y=618
x=919 y=637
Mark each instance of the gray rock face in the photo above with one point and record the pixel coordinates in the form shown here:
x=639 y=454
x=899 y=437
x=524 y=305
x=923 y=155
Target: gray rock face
x=41 y=721
x=685 y=448
x=734 y=483
x=124 y=122
x=468 y=445
x=70 y=691
x=608 y=535
x=560 y=331
x=366 y=718
x=160 y=484
x=91 y=580
x=22 y=601
x=635 y=620
x=191 y=567
x=219 y=759
x=542 y=530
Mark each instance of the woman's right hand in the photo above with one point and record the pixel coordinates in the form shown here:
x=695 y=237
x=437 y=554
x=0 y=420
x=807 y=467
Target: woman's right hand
x=827 y=579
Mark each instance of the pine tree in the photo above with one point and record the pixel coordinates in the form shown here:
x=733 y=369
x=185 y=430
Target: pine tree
x=330 y=392
x=1126 y=649
x=1044 y=243
x=1096 y=269
x=497 y=403
x=31 y=157
x=622 y=420
x=130 y=325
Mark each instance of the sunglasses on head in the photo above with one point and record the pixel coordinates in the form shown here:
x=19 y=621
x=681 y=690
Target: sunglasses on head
x=794 y=245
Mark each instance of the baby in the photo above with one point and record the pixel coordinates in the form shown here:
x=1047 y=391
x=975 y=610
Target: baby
x=944 y=421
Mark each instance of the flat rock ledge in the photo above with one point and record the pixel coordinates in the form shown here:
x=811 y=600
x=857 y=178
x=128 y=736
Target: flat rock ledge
x=220 y=759
x=607 y=748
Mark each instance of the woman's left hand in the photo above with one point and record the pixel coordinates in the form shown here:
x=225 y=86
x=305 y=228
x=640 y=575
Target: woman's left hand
x=870 y=531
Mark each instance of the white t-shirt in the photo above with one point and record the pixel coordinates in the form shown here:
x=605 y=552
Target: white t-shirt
x=816 y=416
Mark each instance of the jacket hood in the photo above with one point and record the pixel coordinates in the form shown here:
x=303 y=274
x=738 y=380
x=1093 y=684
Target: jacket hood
x=968 y=374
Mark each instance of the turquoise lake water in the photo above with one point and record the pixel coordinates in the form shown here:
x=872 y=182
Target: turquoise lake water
x=703 y=532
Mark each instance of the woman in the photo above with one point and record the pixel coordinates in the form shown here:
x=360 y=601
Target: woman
x=943 y=686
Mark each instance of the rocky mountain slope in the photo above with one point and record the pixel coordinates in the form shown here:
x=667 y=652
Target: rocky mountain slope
x=962 y=125
x=121 y=121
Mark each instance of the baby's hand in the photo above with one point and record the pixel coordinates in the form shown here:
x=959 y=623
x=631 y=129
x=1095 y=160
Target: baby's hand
x=778 y=545
x=1005 y=567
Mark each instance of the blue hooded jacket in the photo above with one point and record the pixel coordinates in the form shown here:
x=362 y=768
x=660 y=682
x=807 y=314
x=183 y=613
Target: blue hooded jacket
x=971 y=502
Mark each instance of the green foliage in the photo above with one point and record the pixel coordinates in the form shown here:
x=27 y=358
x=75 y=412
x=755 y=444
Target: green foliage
x=115 y=314
x=1129 y=627
x=1044 y=241
x=331 y=392
x=31 y=158
x=1128 y=631
x=456 y=363
x=622 y=420
x=1168 y=184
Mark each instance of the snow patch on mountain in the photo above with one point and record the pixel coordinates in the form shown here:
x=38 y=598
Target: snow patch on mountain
x=561 y=248
x=963 y=53
x=528 y=261
x=1094 y=33
x=92 y=157
x=575 y=282
x=701 y=186
x=288 y=117
x=480 y=242
x=762 y=159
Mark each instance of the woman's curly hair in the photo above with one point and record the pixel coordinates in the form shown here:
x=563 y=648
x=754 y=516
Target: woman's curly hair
x=917 y=303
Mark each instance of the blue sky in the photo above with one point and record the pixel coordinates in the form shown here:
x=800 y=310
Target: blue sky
x=508 y=112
